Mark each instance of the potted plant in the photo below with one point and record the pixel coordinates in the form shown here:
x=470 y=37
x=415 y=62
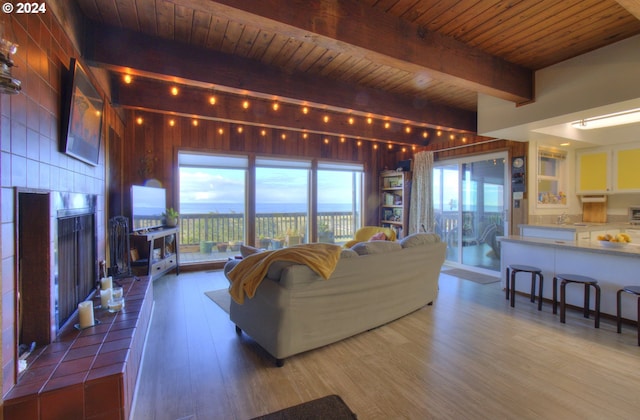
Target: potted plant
x=264 y=242
x=277 y=242
x=222 y=246
x=172 y=217
x=293 y=237
x=325 y=234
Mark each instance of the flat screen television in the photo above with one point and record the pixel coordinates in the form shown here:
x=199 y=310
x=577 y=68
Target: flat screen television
x=147 y=207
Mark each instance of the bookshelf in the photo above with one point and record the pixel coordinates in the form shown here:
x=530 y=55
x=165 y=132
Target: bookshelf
x=395 y=189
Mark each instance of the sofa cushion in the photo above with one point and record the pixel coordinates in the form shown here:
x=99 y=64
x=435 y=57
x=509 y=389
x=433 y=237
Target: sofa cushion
x=376 y=247
x=276 y=267
x=348 y=253
x=246 y=250
x=417 y=239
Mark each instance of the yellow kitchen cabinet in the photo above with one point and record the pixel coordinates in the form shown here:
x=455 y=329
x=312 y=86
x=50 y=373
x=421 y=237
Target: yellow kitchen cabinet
x=626 y=160
x=593 y=171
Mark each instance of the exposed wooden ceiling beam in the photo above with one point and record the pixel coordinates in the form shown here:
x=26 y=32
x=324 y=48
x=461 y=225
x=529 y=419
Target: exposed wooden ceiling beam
x=351 y=26
x=135 y=53
x=155 y=96
x=632 y=6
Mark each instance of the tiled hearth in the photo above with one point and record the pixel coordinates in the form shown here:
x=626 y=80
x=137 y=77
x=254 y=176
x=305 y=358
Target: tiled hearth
x=88 y=374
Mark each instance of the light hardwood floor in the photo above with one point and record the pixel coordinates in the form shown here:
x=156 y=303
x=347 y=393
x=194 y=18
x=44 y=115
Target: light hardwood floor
x=469 y=356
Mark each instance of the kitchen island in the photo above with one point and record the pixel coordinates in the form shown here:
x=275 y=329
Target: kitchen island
x=612 y=267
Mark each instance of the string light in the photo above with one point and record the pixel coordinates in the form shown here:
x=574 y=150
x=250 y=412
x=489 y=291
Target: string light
x=305 y=135
x=387 y=124
x=425 y=134
x=407 y=129
x=351 y=120
x=342 y=139
x=451 y=137
x=240 y=129
x=369 y=120
x=263 y=132
x=359 y=143
x=174 y=91
x=220 y=131
x=438 y=133
x=284 y=136
x=326 y=140
x=194 y=122
x=245 y=104
x=127 y=78
x=172 y=122
x=212 y=100
x=326 y=118
x=375 y=146
x=275 y=106
x=139 y=120
x=305 y=110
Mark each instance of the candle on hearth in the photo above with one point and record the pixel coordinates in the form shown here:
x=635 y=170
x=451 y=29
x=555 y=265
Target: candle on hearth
x=106 y=283
x=105 y=295
x=85 y=313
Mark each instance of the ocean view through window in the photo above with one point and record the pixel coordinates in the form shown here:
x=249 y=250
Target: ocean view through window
x=216 y=192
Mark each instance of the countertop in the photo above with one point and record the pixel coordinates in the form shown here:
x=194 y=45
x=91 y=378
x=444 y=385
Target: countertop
x=630 y=250
x=582 y=226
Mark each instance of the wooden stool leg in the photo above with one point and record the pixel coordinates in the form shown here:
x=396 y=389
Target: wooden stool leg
x=587 y=299
x=507 y=285
x=619 y=309
x=533 y=287
x=597 y=323
x=513 y=288
x=555 y=295
x=540 y=292
x=639 y=321
x=563 y=285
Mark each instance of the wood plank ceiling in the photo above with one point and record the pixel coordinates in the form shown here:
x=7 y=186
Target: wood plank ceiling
x=418 y=61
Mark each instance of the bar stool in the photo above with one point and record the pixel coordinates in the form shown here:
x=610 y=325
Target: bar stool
x=535 y=273
x=634 y=290
x=588 y=282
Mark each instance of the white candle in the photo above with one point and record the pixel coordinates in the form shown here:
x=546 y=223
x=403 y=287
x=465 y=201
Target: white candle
x=105 y=295
x=106 y=283
x=85 y=313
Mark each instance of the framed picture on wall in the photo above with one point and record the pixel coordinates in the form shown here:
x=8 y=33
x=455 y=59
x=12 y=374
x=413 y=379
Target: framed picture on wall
x=82 y=109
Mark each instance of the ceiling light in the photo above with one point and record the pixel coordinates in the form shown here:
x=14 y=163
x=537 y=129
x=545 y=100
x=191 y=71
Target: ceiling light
x=609 y=120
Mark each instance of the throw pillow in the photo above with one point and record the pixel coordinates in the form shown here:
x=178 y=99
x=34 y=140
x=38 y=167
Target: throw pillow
x=376 y=247
x=417 y=239
x=348 y=253
x=246 y=250
x=380 y=236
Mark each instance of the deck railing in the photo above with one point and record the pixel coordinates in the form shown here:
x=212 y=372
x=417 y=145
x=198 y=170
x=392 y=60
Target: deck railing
x=229 y=227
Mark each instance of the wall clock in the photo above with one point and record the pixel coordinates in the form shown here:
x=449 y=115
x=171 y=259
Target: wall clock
x=518 y=162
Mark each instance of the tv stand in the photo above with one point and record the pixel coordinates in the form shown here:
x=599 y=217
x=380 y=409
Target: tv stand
x=155 y=252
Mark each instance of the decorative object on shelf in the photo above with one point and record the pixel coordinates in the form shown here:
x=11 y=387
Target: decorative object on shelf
x=7 y=48
x=222 y=246
x=395 y=187
x=172 y=217
x=85 y=314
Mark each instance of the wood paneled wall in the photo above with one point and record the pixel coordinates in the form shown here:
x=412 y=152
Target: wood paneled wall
x=150 y=145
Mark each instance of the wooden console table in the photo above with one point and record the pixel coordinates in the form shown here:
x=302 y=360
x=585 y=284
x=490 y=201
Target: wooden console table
x=158 y=251
x=88 y=374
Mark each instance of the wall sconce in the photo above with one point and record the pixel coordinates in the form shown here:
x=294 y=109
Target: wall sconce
x=7 y=83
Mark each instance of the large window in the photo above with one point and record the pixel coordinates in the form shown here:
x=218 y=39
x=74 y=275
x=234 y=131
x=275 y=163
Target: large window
x=223 y=198
x=282 y=202
x=339 y=200
x=212 y=205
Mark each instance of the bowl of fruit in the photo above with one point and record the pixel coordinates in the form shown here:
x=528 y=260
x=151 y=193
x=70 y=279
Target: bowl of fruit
x=619 y=240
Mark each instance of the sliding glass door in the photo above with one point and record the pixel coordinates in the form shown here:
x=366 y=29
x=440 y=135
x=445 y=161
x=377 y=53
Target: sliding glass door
x=469 y=202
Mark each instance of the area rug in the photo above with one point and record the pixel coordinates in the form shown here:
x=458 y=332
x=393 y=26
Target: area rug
x=329 y=407
x=470 y=275
x=221 y=297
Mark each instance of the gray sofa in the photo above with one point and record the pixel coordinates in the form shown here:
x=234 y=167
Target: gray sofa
x=295 y=310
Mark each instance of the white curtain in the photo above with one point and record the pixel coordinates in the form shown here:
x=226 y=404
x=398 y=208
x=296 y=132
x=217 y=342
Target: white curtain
x=421 y=210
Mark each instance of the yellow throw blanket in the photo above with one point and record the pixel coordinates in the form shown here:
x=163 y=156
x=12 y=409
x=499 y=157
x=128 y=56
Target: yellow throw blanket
x=247 y=275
